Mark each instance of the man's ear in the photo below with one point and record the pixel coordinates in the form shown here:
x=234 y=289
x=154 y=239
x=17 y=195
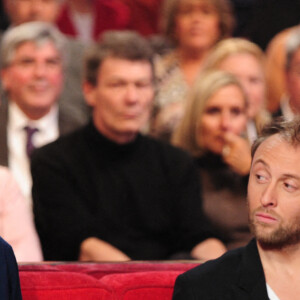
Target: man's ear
x=4 y=79
x=89 y=92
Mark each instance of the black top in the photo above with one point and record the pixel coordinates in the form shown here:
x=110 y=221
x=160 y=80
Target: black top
x=225 y=200
x=237 y=275
x=142 y=197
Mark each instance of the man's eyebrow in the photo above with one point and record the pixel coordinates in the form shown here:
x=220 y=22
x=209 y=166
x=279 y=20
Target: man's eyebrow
x=260 y=161
x=294 y=176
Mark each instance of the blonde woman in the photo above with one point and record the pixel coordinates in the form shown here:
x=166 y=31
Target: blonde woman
x=246 y=61
x=194 y=27
x=212 y=131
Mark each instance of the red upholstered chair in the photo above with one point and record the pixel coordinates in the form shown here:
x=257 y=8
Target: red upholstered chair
x=99 y=270
x=49 y=285
x=103 y=281
x=154 y=285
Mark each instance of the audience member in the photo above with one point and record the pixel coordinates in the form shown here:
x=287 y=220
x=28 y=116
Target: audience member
x=87 y=20
x=32 y=78
x=194 y=26
x=212 y=130
x=276 y=67
x=20 y=12
x=16 y=222
x=9 y=273
x=108 y=192
x=268 y=267
x=290 y=100
x=246 y=61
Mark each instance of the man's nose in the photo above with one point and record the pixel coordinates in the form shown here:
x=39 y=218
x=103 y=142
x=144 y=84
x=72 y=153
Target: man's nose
x=40 y=69
x=131 y=93
x=269 y=196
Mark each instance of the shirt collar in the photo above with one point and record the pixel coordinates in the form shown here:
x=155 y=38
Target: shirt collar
x=18 y=120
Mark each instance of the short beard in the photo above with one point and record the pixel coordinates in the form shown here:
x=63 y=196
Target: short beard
x=282 y=237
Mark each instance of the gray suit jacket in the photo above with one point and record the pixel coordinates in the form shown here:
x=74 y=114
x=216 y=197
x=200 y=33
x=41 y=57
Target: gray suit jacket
x=72 y=98
x=237 y=275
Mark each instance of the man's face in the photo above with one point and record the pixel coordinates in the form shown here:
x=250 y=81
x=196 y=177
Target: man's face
x=34 y=78
x=122 y=98
x=293 y=82
x=22 y=11
x=274 y=193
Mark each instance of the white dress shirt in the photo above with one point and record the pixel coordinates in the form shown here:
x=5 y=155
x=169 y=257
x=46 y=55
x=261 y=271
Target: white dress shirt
x=18 y=161
x=84 y=25
x=271 y=294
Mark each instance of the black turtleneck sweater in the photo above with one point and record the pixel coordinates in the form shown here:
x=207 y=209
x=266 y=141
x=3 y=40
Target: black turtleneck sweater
x=225 y=200
x=142 y=197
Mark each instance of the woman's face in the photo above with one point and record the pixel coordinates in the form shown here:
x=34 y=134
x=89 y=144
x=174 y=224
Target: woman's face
x=197 y=24
x=225 y=111
x=250 y=73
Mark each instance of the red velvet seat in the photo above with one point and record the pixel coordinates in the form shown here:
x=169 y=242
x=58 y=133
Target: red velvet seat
x=153 y=285
x=105 y=281
x=45 y=285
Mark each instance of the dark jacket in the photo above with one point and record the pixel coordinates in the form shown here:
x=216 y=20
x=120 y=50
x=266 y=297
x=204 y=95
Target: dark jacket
x=238 y=274
x=9 y=275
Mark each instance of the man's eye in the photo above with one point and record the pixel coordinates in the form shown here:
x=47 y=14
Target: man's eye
x=143 y=84
x=289 y=187
x=26 y=62
x=260 y=178
x=116 y=84
x=53 y=62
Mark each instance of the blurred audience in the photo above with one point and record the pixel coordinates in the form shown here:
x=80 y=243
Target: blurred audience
x=290 y=100
x=194 y=26
x=213 y=132
x=108 y=192
x=32 y=79
x=88 y=19
x=246 y=61
x=16 y=222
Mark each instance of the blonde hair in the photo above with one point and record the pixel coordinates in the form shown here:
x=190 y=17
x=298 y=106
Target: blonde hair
x=223 y=8
x=230 y=46
x=208 y=83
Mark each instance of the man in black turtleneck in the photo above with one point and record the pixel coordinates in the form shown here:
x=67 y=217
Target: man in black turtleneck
x=106 y=192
